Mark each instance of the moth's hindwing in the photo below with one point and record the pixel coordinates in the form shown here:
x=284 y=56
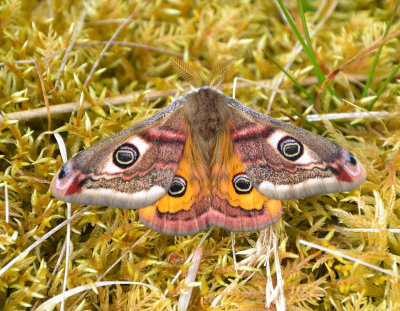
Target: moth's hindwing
x=227 y=201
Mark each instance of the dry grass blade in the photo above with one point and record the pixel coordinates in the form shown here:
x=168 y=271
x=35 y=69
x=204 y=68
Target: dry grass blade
x=81 y=297
x=274 y=294
x=57 y=299
x=190 y=258
x=5 y=268
x=298 y=48
x=348 y=62
x=184 y=298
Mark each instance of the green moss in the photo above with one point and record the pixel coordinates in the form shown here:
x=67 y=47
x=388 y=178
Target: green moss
x=205 y=31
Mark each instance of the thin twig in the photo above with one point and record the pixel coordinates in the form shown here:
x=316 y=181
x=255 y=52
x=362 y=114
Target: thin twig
x=130 y=44
x=367 y=230
x=6 y=203
x=109 y=43
x=122 y=43
x=46 y=101
x=356 y=260
x=120 y=100
x=59 y=261
x=344 y=116
x=69 y=107
x=105 y=49
x=124 y=99
x=274 y=294
x=71 y=43
x=234 y=252
x=121 y=20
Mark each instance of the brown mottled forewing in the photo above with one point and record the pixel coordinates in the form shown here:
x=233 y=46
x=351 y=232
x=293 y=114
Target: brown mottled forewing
x=90 y=177
x=325 y=166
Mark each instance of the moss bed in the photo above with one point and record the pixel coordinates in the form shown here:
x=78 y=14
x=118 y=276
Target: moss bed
x=133 y=80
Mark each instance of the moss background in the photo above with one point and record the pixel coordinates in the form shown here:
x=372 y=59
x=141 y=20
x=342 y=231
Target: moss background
x=204 y=32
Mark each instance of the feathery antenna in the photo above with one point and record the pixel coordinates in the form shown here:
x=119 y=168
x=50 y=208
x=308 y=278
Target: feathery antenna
x=187 y=72
x=193 y=77
x=219 y=72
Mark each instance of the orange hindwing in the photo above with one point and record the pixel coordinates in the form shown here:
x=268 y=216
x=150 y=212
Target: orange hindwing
x=227 y=199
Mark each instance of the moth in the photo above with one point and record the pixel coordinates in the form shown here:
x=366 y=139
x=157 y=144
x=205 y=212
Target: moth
x=207 y=160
